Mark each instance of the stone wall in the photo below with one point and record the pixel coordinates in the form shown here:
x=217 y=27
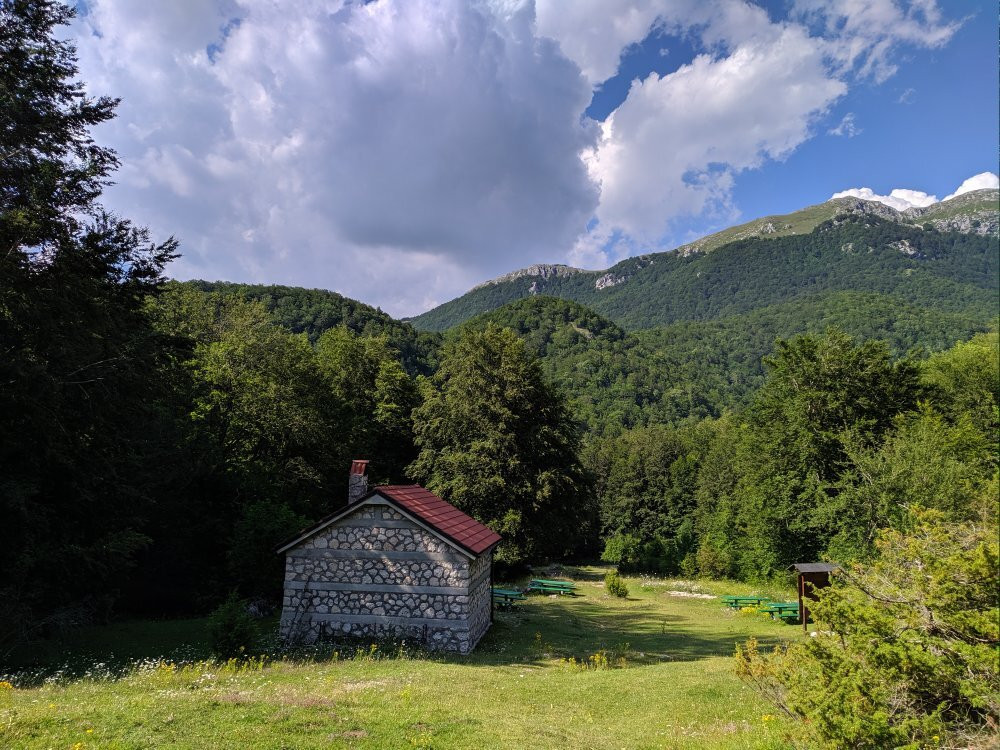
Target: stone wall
x=375 y=573
x=480 y=597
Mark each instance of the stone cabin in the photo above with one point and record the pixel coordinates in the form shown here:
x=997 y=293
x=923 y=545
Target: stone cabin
x=396 y=562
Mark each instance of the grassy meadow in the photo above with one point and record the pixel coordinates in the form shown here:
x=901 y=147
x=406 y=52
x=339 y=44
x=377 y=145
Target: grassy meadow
x=591 y=671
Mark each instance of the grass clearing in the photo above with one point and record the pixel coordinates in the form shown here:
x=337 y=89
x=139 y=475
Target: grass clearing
x=592 y=671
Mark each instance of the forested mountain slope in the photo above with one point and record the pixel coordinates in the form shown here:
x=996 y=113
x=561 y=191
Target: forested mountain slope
x=841 y=245
x=313 y=311
x=692 y=369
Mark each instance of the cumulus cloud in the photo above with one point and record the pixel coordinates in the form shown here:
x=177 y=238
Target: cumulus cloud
x=596 y=45
x=341 y=138
x=902 y=198
x=400 y=151
x=899 y=199
x=595 y=33
x=985 y=180
x=675 y=144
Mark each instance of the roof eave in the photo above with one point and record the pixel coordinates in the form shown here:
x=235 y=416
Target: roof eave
x=333 y=518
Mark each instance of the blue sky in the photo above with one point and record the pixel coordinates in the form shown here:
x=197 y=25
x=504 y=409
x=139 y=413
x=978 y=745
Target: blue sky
x=928 y=127
x=401 y=151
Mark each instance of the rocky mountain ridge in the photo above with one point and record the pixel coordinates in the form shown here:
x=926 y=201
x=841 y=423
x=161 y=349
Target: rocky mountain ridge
x=541 y=270
x=975 y=212
x=848 y=244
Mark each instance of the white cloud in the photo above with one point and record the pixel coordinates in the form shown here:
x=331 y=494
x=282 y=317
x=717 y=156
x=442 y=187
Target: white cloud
x=434 y=141
x=985 y=180
x=400 y=151
x=902 y=199
x=673 y=147
x=847 y=127
x=864 y=34
x=593 y=33
x=899 y=199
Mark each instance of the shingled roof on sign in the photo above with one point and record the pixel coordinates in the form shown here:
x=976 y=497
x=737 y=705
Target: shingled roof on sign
x=444 y=517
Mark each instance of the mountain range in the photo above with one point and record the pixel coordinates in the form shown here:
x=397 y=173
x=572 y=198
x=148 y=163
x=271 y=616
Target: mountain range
x=845 y=244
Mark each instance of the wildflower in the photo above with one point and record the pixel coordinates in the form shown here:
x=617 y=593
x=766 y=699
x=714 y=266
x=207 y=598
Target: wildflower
x=6 y=685
x=90 y=731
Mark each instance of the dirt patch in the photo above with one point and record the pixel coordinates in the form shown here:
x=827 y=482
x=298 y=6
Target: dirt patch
x=304 y=700
x=353 y=687
x=733 y=727
x=329 y=695
x=692 y=595
x=353 y=734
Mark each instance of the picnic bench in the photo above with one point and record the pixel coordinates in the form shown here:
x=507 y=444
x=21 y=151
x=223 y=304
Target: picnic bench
x=547 y=586
x=738 y=602
x=507 y=598
x=783 y=610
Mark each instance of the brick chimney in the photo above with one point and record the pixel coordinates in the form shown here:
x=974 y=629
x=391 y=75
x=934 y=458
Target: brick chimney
x=357 y=486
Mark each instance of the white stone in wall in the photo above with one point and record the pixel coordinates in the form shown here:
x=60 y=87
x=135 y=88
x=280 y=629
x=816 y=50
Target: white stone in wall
x=465 y=616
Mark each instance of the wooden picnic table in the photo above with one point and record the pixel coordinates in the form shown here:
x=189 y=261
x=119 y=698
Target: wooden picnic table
x=783 y=610
x=737 y=602
x=549 y=586
x=507 y=597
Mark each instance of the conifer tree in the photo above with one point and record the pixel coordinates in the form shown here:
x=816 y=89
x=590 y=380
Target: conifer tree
x=78 y=358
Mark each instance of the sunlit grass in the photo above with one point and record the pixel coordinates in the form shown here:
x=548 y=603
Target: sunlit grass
x=593 y=671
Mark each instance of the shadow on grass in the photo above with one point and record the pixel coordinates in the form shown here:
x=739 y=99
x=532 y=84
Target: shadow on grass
x=645 y=631
x=561 y=628
x=114 y=648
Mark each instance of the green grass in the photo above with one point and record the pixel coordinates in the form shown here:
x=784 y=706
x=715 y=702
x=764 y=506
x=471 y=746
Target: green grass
x=664 y=680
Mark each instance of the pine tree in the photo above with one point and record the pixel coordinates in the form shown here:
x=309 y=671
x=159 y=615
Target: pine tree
x=79 y=363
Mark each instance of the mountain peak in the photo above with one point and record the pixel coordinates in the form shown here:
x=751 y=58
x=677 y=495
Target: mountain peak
x=539 y=270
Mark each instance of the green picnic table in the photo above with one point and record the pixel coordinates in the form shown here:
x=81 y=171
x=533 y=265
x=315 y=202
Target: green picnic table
x=549 y=586
x=783 y=610
x=507 y=598
x=738 y=602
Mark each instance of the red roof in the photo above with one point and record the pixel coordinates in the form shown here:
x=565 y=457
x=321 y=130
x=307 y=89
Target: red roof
x=444 y=517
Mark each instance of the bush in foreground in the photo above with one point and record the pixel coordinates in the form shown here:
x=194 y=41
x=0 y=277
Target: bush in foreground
x=906 y=654
x=232 y=630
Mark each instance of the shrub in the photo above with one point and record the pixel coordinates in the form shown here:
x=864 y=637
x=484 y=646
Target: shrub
x=615 y=585
x=619 y=548
x=907 y=657
x=657 y=555
x=232 y=631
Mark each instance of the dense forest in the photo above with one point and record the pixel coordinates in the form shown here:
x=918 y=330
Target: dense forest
x=722 y=414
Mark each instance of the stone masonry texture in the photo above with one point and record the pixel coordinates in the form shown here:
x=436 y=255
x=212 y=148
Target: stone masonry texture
x=376 y=574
